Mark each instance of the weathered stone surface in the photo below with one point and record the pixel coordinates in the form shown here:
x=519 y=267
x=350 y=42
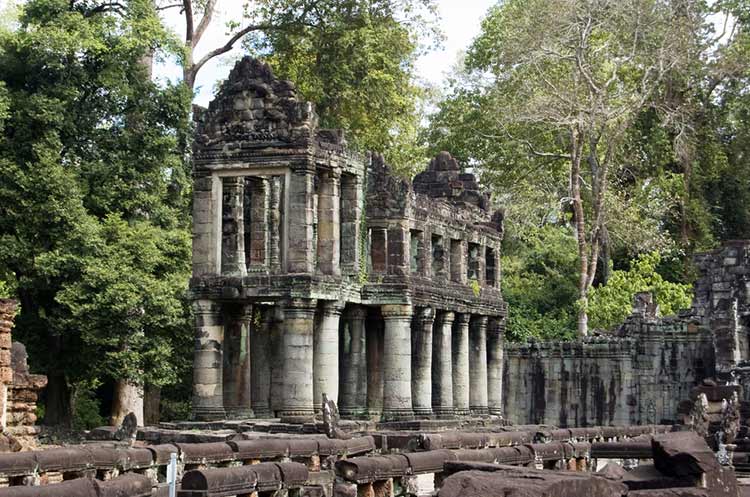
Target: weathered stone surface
x=489 y=480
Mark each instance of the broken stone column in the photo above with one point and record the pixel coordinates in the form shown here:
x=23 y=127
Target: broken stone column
x=397 y=402
x=329 y=224
x=326 y=353
x=478 y=366
x=442 y=368
x=375 y=354
x=301 y=215
x=7 y=315
x=260 y=351
x=353 y=395
x=237 y=363
x=495 y=366
x=208 y=396
x=461 y=364
x=233 y=227
x=297 y=345
x=257 y=233
x=422 y=361
x=274 y=223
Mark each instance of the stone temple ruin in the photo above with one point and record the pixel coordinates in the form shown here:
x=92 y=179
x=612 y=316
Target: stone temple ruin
x=316 y=270
x=318 y=274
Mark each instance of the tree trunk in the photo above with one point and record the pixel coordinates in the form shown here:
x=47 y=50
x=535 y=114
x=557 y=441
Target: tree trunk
x=580 y=230
x=151 y=405
x=57 y=401
x=127 y=398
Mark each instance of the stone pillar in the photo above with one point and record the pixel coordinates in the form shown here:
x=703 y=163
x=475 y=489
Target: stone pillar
x=208 y=397
x=353 y=395
x=257 y=217
x=397 y=362
x=399 y=245
x=375 y=353
x=297 y=343
x=495 y=366
x=260 y=351
x=329 y=224
x=422 y=362
x=274 y=223
x=461 y=364
x=204 y=229
x=237 y=363
x=326 y=354
x=442 y=369
x=7 y=315
x=478 y=366
x=301 y=214
x=233 y=227
x=351 y=218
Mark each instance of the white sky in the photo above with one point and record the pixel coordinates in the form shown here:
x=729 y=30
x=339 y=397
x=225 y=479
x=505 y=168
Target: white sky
x=459 y=20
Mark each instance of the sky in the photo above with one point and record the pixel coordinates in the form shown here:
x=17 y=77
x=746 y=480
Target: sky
x=459 y=20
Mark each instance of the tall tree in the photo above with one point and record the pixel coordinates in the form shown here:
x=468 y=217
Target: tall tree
x=563 y=81
x=93 y=196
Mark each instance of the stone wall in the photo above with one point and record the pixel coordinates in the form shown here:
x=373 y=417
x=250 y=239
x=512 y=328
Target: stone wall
x=641 y=372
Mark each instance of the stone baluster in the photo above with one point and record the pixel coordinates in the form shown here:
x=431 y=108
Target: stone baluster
x=353 y=395
x=422 y=361
x=297 y=346
x=233 y=227
x=208 y=397
x=397 y=403
x=326 y=354
x=461 y=364
x=478 y=366
x=442 y=369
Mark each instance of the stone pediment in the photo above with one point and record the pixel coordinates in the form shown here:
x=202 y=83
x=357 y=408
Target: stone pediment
x=252 y=108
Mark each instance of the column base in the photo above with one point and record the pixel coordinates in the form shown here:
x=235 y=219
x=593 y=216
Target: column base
x=240 y=413
x=398 y=415
x=263 y=413
x=444 y=412
x=496 y=411
x=462 y=411
x=300 y=416
x=480 y=411
x=422 y=412
x=208 y=413
x=353 y=413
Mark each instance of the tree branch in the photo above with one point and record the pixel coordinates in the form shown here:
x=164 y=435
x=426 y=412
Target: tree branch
x=230 y=44
x=208 y=14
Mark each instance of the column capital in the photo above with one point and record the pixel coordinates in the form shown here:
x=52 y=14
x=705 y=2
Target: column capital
x=396 y=311
x=495 y=325
x=480 y=321
x=203 y=306
x=447 y=317
x=463 y=318
x=332 y=307
x=425 y=314
x=300 y=307
x=356 y=312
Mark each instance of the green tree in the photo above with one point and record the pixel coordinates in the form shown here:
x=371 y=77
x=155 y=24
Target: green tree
x=610 y=304
x=93 y=195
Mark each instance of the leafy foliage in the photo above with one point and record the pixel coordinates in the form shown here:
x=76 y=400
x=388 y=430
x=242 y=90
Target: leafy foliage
x=610 y=304
x=94 y=225
x=355 y=60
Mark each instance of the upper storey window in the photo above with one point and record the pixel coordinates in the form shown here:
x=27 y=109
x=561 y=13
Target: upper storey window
x=438 y=255
x=457 y=260
x=472 y=272
x=416 y=252
x=490 y=267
